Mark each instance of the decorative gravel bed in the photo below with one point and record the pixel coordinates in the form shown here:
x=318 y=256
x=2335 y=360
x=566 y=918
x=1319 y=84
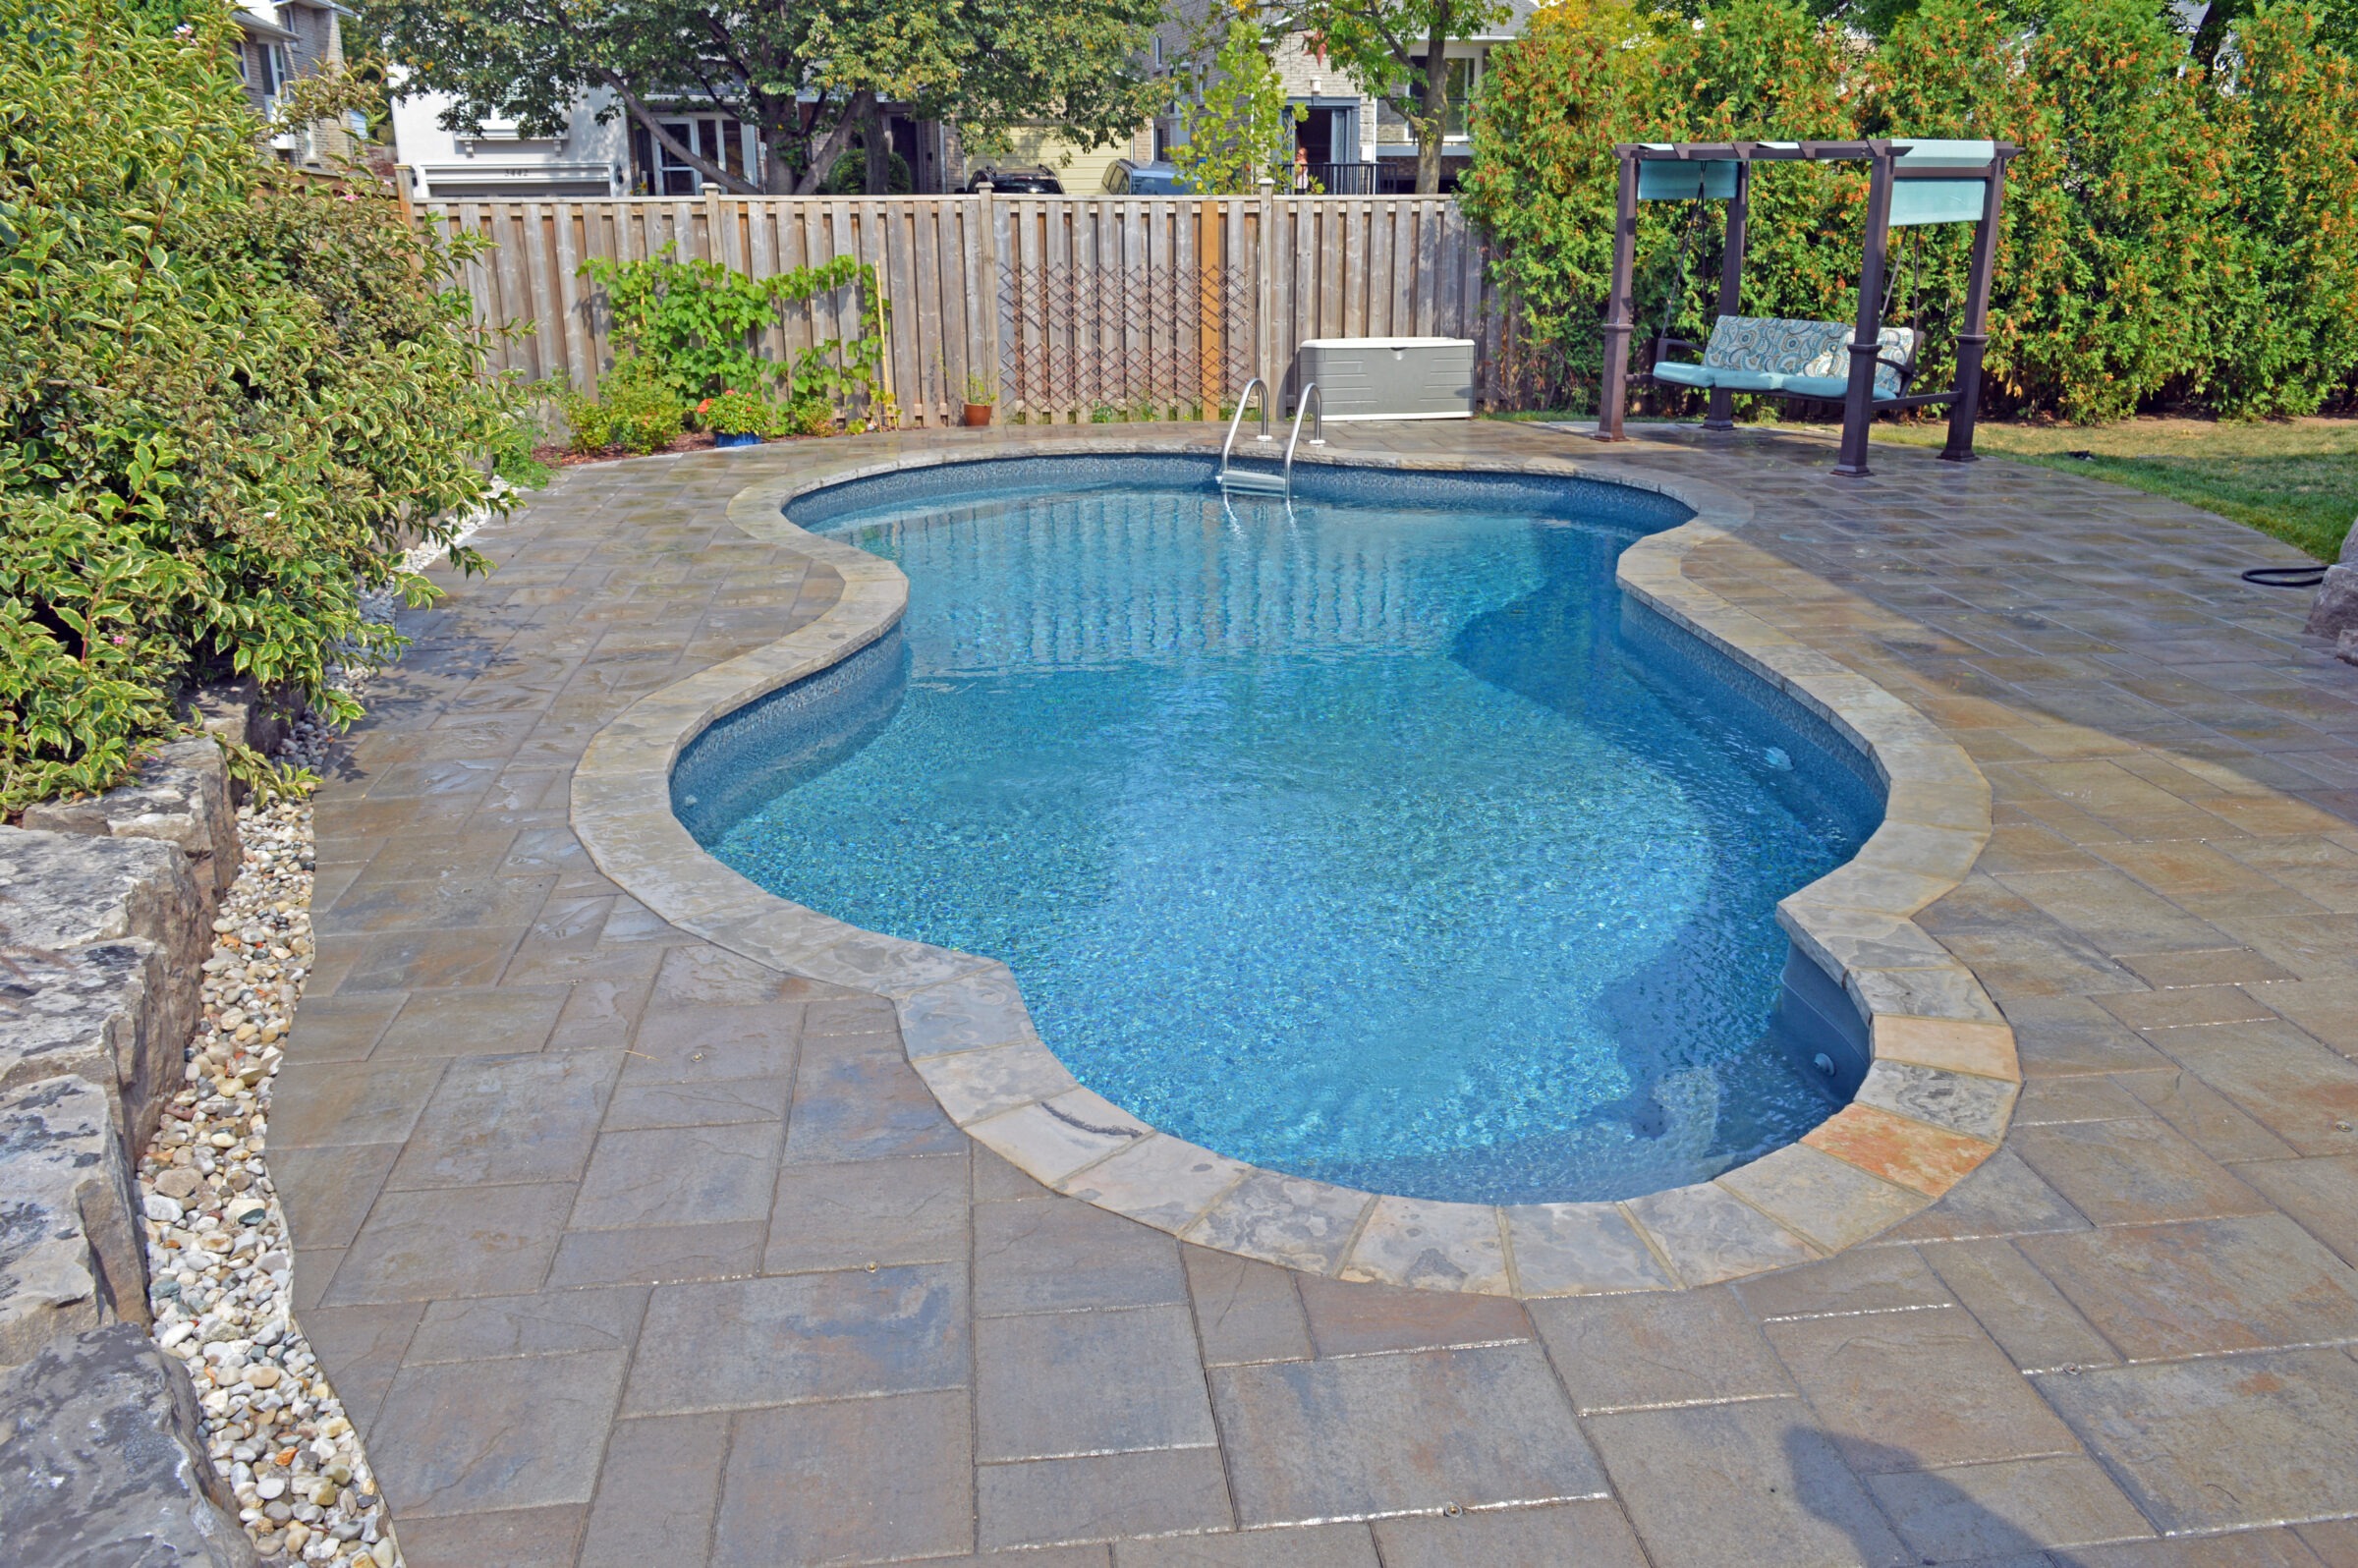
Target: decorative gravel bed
x=221 y=1261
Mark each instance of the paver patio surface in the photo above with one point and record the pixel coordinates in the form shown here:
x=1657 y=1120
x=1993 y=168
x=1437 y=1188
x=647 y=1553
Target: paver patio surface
x=624 y=1249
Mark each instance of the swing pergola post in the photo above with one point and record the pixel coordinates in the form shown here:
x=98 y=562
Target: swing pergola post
x=1975 y=335
x=1866 y=346
x=1620 y=309
x=1911 y=182
x=1721 y=415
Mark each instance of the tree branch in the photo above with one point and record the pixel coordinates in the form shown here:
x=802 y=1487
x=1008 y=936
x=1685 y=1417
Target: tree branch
x=822 y=159
x=646 y=115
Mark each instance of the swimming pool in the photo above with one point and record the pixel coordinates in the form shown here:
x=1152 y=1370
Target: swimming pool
x=1375 y=839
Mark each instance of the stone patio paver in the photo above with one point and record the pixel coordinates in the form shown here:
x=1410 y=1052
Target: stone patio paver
x=587 y=1207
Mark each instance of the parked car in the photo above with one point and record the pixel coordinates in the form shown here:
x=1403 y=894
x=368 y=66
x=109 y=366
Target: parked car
x=1017 y=182
x=1125 y=177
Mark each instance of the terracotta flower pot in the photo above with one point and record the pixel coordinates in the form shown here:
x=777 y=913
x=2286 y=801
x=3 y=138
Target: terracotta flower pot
x=977 y=413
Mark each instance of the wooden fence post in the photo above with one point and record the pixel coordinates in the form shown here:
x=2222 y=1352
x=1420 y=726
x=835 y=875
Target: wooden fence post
x=1264 y=300
x=985 y=292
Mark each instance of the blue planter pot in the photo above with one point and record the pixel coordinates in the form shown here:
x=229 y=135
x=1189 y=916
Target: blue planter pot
x=723 y=439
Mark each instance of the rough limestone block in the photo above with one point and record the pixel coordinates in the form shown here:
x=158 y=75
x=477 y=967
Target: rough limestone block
x=181 y=797
x=241 y=710
x=2336 y=609
x=62 y=893
x=93 y=1013
x=69 y=1235
x=96 y=1470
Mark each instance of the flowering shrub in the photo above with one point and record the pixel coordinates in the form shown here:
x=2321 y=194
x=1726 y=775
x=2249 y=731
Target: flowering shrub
x=740 y=413
x=2166 y=233
x=230 y=399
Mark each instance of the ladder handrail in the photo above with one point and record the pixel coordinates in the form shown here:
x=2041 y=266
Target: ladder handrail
x=1238 y=417
x=1318 y=429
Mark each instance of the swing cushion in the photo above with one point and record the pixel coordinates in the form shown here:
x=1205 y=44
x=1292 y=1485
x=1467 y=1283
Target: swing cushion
x=1711 y=377
x=1803 y=359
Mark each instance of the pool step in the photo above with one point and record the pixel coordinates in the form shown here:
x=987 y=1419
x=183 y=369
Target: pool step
x=1258 y=483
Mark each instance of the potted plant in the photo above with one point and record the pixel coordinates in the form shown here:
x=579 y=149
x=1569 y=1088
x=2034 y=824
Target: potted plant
x=978 y=398
x=739 y=419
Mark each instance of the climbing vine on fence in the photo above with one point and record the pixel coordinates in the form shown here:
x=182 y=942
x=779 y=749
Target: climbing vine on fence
x=701 y=324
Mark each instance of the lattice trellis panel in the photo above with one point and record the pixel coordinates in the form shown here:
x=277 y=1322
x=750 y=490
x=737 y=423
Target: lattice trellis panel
x=1075 y=339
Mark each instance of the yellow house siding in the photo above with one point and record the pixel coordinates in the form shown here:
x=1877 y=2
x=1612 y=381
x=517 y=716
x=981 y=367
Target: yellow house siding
x=1080 y=173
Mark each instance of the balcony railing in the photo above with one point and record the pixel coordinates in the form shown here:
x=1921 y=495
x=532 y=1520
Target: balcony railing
x=1335 y=179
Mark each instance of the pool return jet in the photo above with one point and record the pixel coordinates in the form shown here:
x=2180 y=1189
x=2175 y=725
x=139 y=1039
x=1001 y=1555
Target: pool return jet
x=1912 y=182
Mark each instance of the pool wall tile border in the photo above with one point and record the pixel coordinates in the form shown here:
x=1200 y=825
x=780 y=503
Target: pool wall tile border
x=1935 y=1106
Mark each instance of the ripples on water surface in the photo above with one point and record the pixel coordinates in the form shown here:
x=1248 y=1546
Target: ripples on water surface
x=1361 y=842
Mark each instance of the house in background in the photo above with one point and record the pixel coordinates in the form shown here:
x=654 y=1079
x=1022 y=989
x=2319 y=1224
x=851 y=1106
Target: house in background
x=1354 y=145
x=613 y=158
x=498 y=163
x=279 y=44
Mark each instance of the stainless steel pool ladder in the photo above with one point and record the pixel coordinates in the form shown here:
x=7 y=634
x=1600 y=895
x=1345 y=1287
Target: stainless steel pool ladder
x=1282 y=481
x=1231 y=479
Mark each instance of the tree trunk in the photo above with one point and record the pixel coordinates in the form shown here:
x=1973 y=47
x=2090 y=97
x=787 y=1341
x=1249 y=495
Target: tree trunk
x=831 y=146
x=876 y=177
x=1433 y=124
x=778 y=175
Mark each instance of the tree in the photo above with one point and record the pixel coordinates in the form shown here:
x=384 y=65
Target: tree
x=1396 y=51
x=1238 y=132
x=232 y=398
x=808 y=75
x=1579 y=80
x=2333 y=23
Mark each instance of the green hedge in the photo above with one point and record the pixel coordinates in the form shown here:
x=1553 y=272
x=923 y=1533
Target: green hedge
x=230 y=397
x=2170 y=234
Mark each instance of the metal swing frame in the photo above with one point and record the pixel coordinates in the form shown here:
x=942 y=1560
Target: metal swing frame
x=1886 y=155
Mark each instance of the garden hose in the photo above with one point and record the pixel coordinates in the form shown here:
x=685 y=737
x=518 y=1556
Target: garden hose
x=2292 y=576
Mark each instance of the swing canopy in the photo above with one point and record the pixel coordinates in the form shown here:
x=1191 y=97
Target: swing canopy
x=1865 y=365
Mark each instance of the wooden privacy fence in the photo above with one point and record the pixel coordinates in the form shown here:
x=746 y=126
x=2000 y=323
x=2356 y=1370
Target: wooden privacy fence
x=1070 y=307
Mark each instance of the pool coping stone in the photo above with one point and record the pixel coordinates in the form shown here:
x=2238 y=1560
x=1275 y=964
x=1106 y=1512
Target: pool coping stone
x=1939 y=1093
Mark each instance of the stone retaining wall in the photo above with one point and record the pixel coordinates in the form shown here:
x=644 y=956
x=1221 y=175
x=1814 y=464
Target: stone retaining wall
x=106 y=910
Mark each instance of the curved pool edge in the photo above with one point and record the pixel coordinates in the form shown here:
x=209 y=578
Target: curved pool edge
x=1934 y=1103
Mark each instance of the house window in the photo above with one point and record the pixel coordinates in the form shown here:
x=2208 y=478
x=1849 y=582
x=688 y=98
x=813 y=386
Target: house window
x=719 y=141
x=1465 y=76
x=674 y=177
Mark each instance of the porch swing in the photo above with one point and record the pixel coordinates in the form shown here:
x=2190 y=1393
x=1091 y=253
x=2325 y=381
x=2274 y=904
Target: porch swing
x=1911 y=184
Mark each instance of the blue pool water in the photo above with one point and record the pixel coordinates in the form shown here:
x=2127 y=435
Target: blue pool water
x=1375 y=840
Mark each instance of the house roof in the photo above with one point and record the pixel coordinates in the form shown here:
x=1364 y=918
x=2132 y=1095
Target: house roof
x=256 y=21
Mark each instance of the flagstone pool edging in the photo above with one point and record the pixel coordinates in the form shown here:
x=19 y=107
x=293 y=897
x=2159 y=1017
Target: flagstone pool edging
x=1933 y=1104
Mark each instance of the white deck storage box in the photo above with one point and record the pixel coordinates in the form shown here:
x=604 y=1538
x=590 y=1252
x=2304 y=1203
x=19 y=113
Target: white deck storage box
x=1389 y=378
